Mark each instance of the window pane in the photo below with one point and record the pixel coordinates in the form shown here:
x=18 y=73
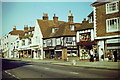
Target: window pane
x=113 y=24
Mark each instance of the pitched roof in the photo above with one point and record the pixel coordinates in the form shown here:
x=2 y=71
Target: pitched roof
x=63 y=28
x=91 y=14
x=47 y=25
x=16 y=32
x=85 y=25
x=22 y=35
x=100 y=2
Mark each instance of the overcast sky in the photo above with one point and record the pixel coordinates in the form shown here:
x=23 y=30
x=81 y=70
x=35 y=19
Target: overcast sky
x=26 y=13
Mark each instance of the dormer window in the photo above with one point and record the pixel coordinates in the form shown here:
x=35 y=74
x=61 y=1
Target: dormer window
x=29 y=33
x=54 y=30
x=90 y=19
x=72 y=27
x=26 y=34
x=112 y=7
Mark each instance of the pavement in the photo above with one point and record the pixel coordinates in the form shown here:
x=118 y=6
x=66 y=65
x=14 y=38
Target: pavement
x=95 y=64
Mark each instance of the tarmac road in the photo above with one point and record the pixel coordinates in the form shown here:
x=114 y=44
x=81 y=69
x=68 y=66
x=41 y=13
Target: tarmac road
x=23 y=69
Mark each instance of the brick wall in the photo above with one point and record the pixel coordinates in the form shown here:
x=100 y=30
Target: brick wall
x=101 y=17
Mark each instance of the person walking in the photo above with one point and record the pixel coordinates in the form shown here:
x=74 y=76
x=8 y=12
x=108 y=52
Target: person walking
x=115 y=55
x=91 y=56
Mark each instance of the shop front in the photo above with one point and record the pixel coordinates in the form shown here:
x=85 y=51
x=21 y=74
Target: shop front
x=113 y=49
x=49 y=52
x=84 y=50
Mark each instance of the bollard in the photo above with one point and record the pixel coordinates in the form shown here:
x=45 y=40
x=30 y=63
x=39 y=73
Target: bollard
x=74 y=62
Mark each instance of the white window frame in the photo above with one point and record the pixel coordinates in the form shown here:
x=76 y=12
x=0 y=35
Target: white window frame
x=54 y=30
x=108 y=7
x=69 y=39
x=23 y=42
x=72 y=27
x=58 y=41
x=17 y=44
x=29 y=41
x=49 y=42
x=108 y=25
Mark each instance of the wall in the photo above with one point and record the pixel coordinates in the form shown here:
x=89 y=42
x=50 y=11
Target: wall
x=101 y=17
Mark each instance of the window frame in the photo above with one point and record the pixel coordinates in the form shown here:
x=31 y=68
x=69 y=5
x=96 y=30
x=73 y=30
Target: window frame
x=49 y=42
x=69 y=39
x=108 y=7
x=29 y=41
x=72 y=27
x=54 y=30
x=58 y=41
x=108 y=24
x=23 y=42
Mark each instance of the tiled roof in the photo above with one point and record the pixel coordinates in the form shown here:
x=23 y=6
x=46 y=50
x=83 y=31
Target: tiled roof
x=22 y=35
x=47 y=25
x=16 y=32
x=100 y=2
x=63 y=28
x=85 y=25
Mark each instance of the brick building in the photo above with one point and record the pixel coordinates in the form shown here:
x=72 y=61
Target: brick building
x=107 y=27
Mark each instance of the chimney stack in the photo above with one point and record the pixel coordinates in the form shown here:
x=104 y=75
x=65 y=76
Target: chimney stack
x=55 y=18
x=84 y=20
x=45 y=16
x=25 y=27
x=14 y=28
x=70 y=17
x=31 y=28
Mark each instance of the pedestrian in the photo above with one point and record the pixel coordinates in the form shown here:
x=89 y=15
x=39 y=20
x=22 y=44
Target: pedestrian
x=115 y=55
x=91 y=56
x=102 y=52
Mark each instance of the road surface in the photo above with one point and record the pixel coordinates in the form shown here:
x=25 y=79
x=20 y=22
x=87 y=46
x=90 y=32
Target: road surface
x=23 y=69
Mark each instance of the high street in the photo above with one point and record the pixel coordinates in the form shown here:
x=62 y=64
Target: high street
x=26 y=69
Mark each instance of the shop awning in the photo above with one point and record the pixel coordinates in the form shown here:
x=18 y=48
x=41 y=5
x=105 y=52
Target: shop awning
x=87 y=43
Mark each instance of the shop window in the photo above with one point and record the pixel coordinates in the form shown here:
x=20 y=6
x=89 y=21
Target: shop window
x=112 y=24
x=85 y=37
x=112 y=7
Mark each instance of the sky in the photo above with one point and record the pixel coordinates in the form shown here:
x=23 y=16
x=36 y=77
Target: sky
x=25 y=13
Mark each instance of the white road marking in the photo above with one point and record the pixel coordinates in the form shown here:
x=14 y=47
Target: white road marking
x=47 y=68
x=74 y=72
x=11 y=75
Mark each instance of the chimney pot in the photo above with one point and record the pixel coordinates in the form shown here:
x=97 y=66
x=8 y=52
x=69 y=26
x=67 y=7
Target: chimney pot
x=25 y=27
x=14 y=28
x=45 y=16
x=55 y=18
